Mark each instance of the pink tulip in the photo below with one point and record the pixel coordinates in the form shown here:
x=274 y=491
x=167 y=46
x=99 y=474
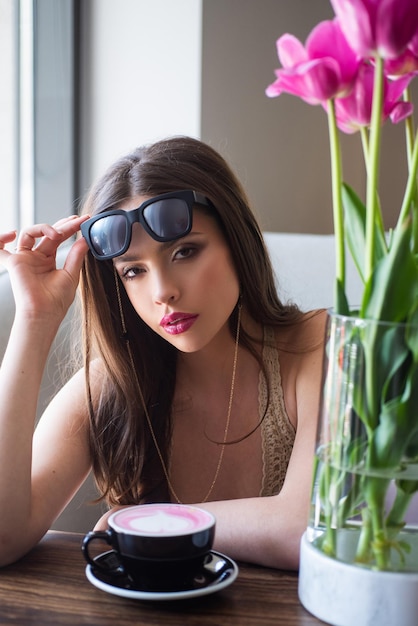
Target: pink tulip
x=383 y=27
x=413 y=45
x=354 y=111
x=405 y=63
x=324 y=68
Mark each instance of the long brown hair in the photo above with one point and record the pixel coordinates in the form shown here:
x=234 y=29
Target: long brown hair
x=125 y=460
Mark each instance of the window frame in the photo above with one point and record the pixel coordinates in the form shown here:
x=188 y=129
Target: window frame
x=48 y=71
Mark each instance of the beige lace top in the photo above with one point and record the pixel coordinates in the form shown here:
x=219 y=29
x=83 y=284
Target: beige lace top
x=277 y=432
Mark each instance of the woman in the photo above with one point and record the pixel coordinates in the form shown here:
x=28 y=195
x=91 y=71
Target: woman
x=198 y=384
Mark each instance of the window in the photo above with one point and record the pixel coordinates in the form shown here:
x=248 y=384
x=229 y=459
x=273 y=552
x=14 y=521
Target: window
x=8 y=114
x=37 y=110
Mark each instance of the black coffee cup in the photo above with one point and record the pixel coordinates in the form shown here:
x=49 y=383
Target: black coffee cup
x=159 y=547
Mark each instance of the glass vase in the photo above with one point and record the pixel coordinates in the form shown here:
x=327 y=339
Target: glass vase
x=364 y=509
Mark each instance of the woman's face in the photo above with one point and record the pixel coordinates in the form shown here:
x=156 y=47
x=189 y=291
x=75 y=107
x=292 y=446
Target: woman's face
x=185 y=290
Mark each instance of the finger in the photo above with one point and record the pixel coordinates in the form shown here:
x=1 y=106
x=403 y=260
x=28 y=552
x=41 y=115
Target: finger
x=6 y=238
x=67 y=227
x=74 y=260
x=28 y=237
x=70 y=221
x=49 y=237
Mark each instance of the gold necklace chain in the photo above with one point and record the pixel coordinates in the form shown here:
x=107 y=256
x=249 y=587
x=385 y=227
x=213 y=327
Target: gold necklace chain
x=147 y=416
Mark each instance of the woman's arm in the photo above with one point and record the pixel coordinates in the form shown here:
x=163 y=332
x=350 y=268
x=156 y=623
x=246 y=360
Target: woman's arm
x=267 y=531
x=43 y=295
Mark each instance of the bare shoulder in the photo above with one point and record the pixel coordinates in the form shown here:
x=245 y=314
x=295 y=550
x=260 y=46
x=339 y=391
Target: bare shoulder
x=301 y=354
x=76 y=387
x=68 y=406
x=309 y=342
x=304 y=338
x=308 y=333
x=71 y=401
x=310 y=368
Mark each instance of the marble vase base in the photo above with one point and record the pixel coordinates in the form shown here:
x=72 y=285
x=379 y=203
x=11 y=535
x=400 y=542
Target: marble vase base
x=342 y=594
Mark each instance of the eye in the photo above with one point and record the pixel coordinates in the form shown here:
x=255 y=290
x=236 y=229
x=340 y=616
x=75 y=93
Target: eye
x=186 y=252
x=128 y=273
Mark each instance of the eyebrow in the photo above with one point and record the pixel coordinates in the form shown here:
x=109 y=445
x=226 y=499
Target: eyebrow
x=124 y=258
x=164 y=245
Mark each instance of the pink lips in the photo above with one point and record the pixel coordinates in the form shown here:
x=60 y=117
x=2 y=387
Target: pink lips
x=177 y=323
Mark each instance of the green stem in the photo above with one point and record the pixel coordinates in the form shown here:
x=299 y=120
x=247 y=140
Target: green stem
x=373 y=167
x=329 y=540
x=409 y=129
x=411 y=186
x=365 y=146
x=363 y=554
x=405 y=491
x=396 y=517
x=375 y=496
x=337 y=201
x=409 y=137
x=370 y=339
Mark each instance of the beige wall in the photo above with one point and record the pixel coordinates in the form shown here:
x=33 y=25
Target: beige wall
x=201 y=67
x=278 y=146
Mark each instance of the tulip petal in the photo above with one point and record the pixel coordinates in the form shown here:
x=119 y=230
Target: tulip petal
x=413 y=44
x=383 y=27
x=327 y=40
x=396 y=25
x=400 y=111
x=405 y=63
x=314 y=81
x=355 y=110
x=397 y=87
x=290 y=51
x=357 y=18
x=323 y=69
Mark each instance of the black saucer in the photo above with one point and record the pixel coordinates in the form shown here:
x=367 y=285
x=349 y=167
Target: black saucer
x=217 y=572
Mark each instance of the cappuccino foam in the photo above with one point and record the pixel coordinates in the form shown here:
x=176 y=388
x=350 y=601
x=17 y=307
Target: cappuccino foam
x=162 y=520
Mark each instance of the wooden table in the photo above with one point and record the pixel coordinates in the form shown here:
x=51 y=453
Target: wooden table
x=49 y=586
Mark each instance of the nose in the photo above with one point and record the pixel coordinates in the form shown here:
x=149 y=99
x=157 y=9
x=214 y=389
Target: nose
x=165 y=288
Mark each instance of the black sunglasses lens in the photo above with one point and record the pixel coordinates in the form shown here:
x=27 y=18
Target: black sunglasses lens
x=108 y=235
x=168 y=219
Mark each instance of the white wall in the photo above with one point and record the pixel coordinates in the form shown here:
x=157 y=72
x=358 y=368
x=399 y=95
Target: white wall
x=141 y=76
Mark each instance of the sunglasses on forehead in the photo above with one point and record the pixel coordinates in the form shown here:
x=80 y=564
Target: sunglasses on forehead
x=166 y=217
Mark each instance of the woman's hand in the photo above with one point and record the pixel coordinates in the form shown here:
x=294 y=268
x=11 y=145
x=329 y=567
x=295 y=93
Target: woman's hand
x=40 y=289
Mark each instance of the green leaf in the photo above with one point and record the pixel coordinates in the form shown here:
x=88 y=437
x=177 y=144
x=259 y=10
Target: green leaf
x=341 y=302
x=352 y=380
x=392 y=290
x=355 y=228
x=411 y=335
x=398 y=426
x=392 y=359
x=408 y=487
